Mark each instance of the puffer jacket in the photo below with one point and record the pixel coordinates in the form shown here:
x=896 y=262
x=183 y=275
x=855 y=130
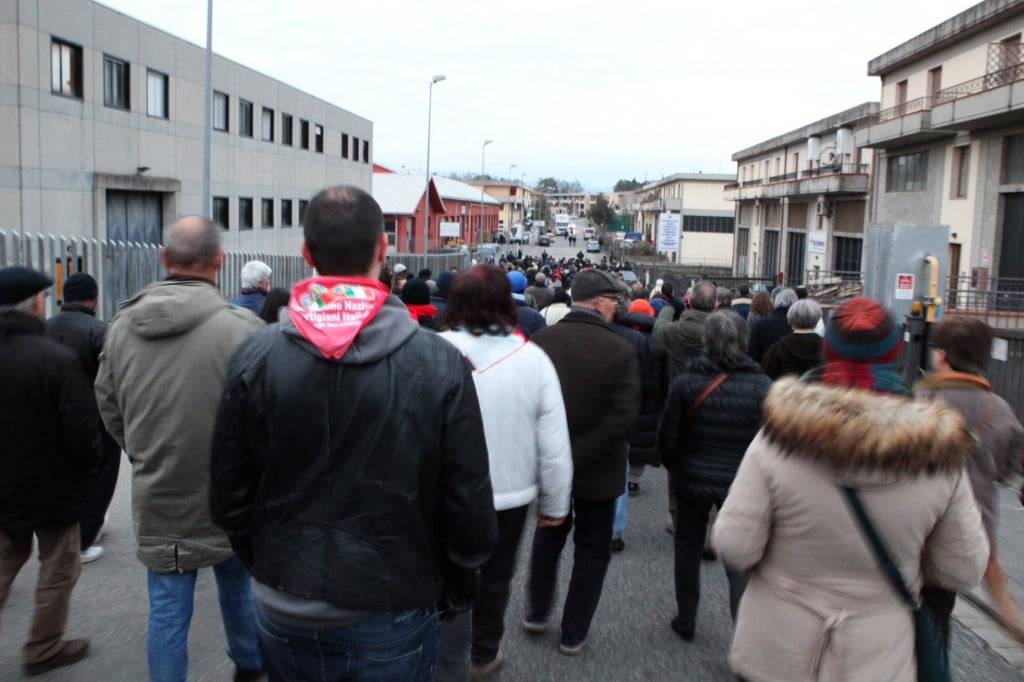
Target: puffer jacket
x=818 y=606
x=357 y=481
x=704 y=450
x=77 y=328
x=160 y=380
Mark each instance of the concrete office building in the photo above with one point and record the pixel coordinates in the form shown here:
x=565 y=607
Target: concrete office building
x=707 y=217
x=801 y=200
x=103 y=122
x=950 y=139
x=516 y=201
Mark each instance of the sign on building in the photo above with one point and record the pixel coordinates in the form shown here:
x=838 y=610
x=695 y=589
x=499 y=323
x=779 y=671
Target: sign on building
x=817 y=244
x=668 y=232
x=451 y=230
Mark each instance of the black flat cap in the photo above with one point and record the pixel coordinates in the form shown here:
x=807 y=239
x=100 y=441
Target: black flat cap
x=18 y=283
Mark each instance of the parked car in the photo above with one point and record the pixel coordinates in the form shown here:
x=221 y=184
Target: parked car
x=589 y=233
x=628 y=276
x=543 y=240
x=593 y=246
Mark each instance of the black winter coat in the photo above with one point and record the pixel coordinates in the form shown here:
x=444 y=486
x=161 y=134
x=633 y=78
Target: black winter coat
x=704 y=451
x=600 y=379
x=77 y=328
x=51 y=429
x=355 y=481
x=643 y=440
x=766 y=332
x=793 y=354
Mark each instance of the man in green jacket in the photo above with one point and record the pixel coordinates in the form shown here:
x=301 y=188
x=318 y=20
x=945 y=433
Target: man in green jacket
x=684 y=338
x=160 y=380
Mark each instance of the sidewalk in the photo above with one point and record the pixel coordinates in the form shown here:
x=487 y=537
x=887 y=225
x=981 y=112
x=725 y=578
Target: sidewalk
x=1011 y=555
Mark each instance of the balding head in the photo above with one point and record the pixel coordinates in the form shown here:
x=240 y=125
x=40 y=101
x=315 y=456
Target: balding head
x=704 y=296
x=191 y=244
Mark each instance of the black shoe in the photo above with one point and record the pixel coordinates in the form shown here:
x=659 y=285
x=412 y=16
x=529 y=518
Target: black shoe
x=618 y=545
x=684 y=631
x=73 y=651
x=242 y=675
x=709 y=554
x=633 y=488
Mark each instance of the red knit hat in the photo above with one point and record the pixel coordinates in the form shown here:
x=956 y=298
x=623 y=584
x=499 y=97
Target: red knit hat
x=641 y=305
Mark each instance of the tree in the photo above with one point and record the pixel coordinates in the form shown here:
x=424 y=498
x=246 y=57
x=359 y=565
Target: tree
x=627 y=185
x=601 y=212
x=540 y=207
x=549 y=185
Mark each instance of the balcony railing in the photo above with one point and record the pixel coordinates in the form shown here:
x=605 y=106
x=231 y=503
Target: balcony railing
x=990 y=81
x=835 y=169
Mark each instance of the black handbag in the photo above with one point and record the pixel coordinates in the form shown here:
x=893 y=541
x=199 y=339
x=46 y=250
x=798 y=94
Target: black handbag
x=929 y=645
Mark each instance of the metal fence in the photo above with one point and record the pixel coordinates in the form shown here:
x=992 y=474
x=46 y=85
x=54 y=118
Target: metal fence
x=122 y=269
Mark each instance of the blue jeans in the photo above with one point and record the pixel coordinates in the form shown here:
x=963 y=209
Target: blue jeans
x=621 y=503
x=394 y=645
x=170 y=614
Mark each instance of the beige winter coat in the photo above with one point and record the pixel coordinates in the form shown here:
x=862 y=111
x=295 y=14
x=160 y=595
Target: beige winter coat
x=818 y=606
x=159 y=386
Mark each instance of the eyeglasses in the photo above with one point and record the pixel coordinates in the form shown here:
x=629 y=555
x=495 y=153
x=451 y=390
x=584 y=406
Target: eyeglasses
x=610 y=297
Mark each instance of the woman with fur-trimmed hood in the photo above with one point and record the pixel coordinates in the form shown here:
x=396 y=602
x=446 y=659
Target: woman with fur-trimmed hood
x=818 y=606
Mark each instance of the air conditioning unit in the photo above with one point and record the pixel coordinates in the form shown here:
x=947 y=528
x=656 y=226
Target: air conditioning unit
x=824 y=208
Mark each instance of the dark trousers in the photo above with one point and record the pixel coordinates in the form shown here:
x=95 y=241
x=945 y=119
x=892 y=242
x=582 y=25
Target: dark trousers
x=691 y=531
x=103 y=492
x=593 y=551
x=485 y=625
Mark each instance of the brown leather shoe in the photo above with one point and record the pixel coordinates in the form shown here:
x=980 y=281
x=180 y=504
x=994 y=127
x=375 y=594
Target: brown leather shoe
x=73 y=651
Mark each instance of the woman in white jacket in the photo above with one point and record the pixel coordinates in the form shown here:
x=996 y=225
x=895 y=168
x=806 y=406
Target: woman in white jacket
x=527 y=446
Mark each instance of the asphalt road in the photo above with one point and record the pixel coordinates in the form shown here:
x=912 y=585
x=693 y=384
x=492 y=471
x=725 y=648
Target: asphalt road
x=630 y=638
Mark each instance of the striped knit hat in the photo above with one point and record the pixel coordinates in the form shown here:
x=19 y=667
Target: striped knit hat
x=862 y=331
x=862 y=344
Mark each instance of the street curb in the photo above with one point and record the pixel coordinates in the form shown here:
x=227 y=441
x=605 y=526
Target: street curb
x=989 y=631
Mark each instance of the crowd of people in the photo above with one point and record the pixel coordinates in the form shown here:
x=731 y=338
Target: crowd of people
x=356 y=457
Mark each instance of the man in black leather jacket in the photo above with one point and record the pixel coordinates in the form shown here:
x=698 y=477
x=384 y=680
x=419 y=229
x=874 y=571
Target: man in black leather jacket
x=349 y=465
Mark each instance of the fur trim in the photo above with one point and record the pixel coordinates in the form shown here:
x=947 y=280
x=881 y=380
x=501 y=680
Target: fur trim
x=855 y=429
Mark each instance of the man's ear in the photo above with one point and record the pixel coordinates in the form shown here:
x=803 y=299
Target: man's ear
x=165 y=259
x=382 y=248
x=304 y=249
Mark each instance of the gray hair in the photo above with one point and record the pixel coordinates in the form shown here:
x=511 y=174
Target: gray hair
x=254 y=272
x=804 y=314
x=21 y=306
x=703 y=296
x=725 y=337
x=723 y=296
x=191 y=241
x=785 y=298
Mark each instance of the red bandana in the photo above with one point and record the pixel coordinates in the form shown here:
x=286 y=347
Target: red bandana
x=330 y=311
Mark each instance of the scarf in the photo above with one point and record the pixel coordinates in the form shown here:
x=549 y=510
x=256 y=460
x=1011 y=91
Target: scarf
x=330 y=311
x=950 y=378
x=418 y=310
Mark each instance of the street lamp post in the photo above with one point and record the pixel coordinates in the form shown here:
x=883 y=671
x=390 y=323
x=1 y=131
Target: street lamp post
x=426 y=194
x=483 y=149
x=511 y=204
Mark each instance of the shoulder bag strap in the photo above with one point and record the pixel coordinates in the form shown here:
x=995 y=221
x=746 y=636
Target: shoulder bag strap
x=878 y=547
x=705 y=392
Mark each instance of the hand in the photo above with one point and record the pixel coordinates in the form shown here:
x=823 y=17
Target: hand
x=549 y=521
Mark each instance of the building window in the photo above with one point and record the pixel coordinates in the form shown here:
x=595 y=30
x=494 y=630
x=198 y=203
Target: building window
x=267 y=120
x=934 y=83
x=304 y=134
x=156 y=94
x=244 y=213
x=847 y=254
x=66 y=69
x=355 y=148
x=318 y=138
x=366 y=151
x=1013 y=159
x=704 y=223
x=901 y=93
x=286 y=129
x=220 y=211
x=907 y=173
x=302 y=210
x=389 y=230
x=244 y=118
x=220 y=111
x=344 y=145
x=267 y=213
x=286 y=212
x=115 y=84
x=961 y=171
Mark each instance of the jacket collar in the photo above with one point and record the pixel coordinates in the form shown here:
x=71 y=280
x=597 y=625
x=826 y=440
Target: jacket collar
x=954 y=379
x=21 y=323
x=855 y=429
x=77 y=308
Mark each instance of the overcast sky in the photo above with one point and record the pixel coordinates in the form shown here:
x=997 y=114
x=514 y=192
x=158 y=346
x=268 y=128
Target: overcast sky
x=575 y=90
